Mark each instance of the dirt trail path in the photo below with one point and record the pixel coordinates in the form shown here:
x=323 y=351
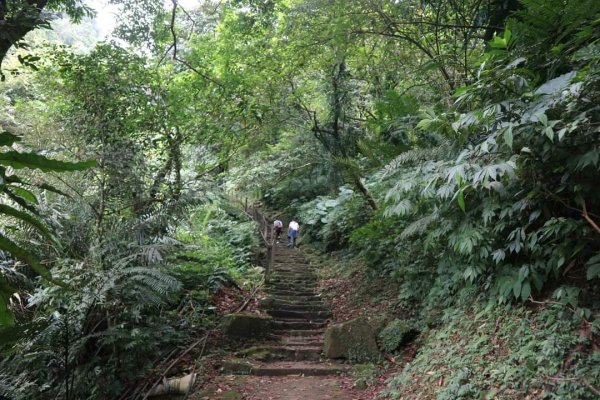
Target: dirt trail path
x=288 y=366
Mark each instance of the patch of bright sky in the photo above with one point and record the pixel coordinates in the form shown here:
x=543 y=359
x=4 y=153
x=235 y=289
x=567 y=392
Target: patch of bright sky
x=106 y=14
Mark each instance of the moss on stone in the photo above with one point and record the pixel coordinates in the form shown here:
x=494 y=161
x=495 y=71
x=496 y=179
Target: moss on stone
x=353 y=340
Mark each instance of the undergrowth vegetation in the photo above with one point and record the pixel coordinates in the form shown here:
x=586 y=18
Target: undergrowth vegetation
x=502 y=352
x=142 y=299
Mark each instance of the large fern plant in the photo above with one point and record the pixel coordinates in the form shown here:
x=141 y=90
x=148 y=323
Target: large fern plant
x=18 y=202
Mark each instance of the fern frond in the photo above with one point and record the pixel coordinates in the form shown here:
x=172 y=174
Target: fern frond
x=443 y=151
x=419 y=226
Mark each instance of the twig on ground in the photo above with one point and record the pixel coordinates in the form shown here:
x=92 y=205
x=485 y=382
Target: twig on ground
x=580 y=379
x=245 y=304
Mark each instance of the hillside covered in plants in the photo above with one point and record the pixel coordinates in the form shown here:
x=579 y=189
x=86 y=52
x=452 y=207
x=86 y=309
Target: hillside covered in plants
x=442 y=159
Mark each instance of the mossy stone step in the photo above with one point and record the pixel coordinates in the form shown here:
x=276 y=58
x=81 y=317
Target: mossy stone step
x=297 y=325
x=293 y=293
x=282 y=352
x=316 y=340
x=298 y=273
x=291 y=286
x=294 y=266
x=292 y=262
x=278 y=333
x=274 y=302
x=294 y=279
x=299 y=314
x=293 y=272
x=313 y=301
x=296 y=297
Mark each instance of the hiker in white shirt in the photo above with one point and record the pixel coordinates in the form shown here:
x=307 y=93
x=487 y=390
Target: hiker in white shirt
x=293 y=229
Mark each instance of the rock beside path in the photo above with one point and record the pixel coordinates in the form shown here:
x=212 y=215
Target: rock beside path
x=247 y=326
x=353 y=340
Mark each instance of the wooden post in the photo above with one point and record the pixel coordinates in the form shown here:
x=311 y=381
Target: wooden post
x=271 y=260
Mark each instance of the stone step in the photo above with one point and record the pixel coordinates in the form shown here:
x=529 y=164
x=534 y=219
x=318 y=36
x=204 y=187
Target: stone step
x=279 y=333
x=316 y=340
x=282 y=352
x=295 y=279
x=290 y=278
x=283 y=368
x=311 y=303
x=293 y=293
x=288 y=260
x=291 y=271
x=299 y=314
x=314 y=301
x=300 y=271
x=291 y=286
x=291 y=283
x=270 y=305
x=295 y=323
x=298 y=324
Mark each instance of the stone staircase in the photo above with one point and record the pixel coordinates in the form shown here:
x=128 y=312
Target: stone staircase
x=299 y=320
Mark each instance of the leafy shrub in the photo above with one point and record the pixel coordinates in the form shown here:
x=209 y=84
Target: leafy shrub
x=393 y=335
x=364 y=375
x=219 y=239
x=332 y=220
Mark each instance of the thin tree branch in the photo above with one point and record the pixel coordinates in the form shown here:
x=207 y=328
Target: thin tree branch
x=415 y=42
x=199 y=73
x=173 y=33
x=162 y=58
x=589 y=219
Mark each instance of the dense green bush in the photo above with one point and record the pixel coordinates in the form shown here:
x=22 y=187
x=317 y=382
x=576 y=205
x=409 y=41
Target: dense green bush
x=331 y=220
x=393 y=335
x=219 y=239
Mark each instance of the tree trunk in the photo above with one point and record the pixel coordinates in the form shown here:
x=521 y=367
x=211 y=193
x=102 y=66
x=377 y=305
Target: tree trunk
x=14 y=28
x=366 y=193
x=177 y=163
